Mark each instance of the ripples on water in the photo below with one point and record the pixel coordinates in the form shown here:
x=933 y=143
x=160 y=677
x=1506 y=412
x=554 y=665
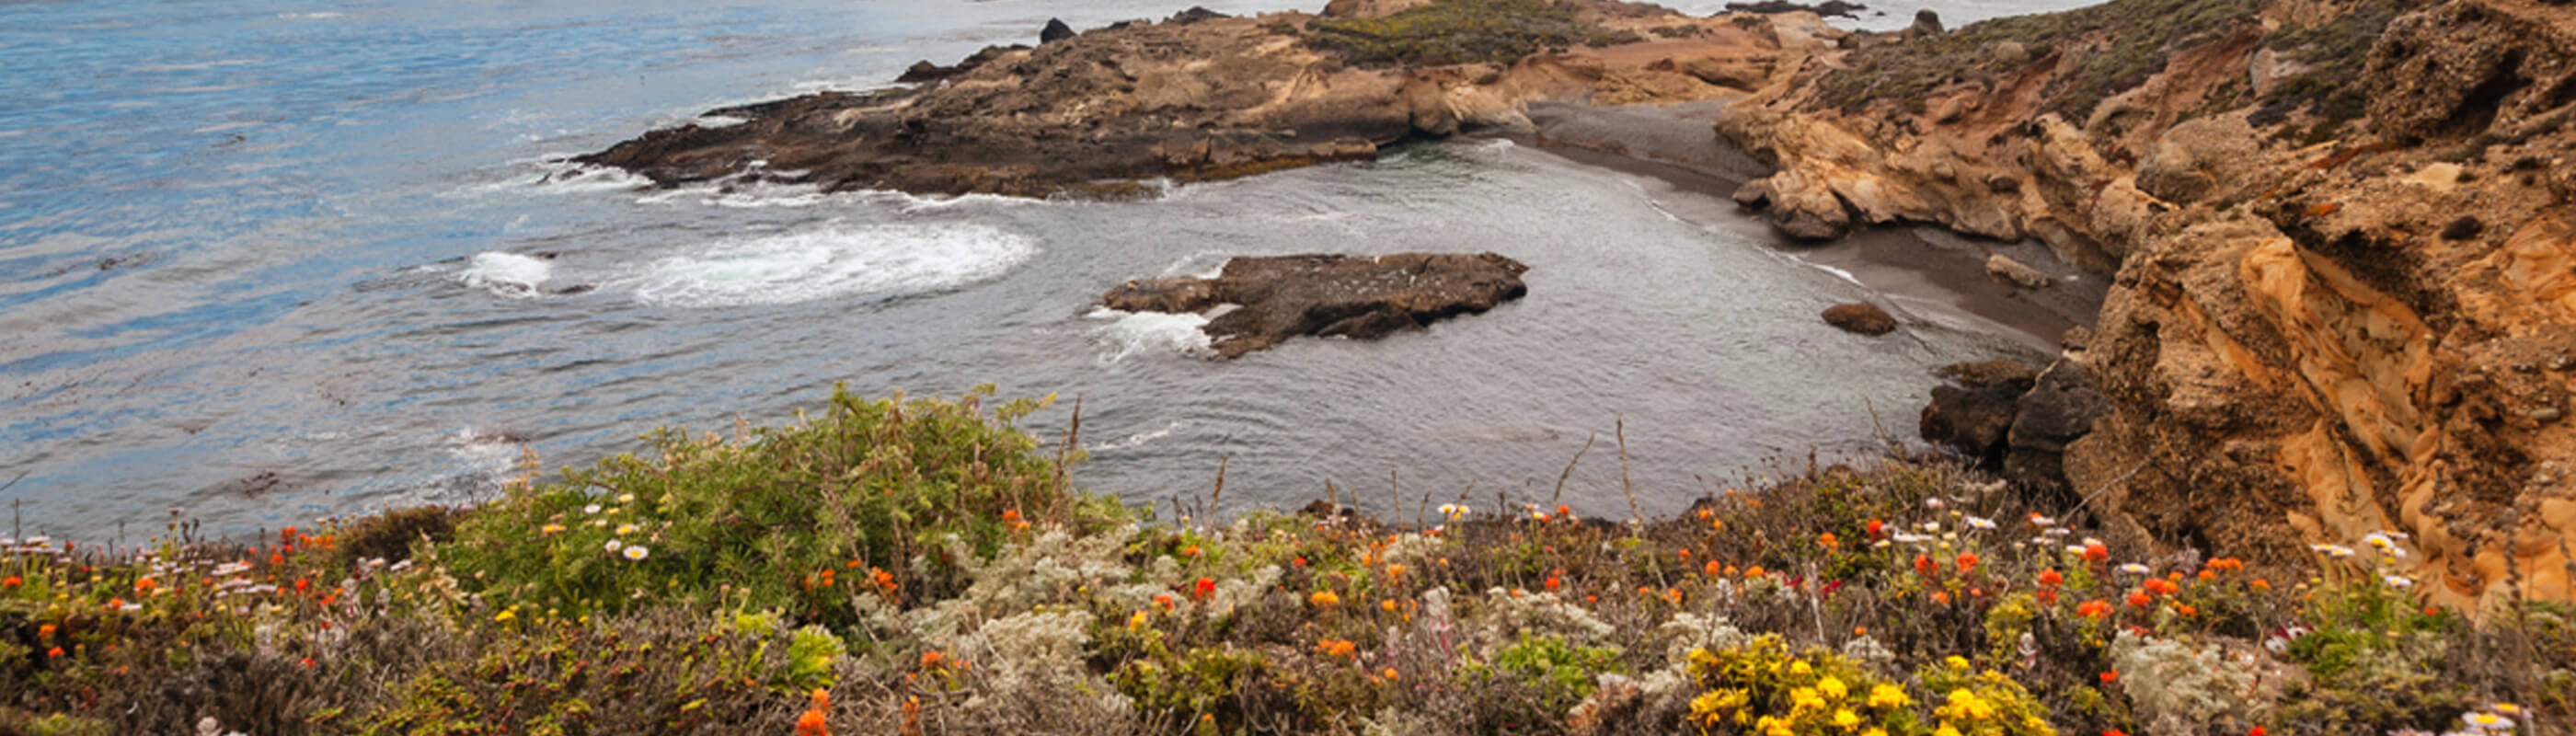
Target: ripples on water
x=271 y=261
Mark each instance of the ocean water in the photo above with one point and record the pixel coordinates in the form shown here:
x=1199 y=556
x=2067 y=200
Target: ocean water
x=267 y=261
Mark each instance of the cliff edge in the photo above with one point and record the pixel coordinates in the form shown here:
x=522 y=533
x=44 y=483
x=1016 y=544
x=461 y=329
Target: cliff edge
x=2343 y=261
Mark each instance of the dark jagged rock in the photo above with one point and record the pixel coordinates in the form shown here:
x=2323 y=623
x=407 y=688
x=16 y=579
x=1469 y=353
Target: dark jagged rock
x=1194 y=15
x=1861 y=318
x=1828 y=8
x=2059 y=409
x=1926 y=23
x=1055 y=31
x=2015 y=419
x=1976 y=416
x=924 y=71
x=1360 y=297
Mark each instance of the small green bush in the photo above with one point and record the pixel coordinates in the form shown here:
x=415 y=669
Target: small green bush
x=1459 y=32
x=796 y=518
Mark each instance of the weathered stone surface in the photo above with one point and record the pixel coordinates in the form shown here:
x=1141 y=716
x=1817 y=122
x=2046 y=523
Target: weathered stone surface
x=1976 y=418
x=2196 y=159
x=1860 y=318
x=2305 y=342
x=2015 y=272
x=1361 y=297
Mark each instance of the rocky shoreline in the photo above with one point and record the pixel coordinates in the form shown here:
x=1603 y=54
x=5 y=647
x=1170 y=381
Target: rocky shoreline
x=2333 y=231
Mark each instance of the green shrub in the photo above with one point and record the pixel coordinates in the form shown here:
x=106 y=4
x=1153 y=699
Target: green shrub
x=796 y=518
x=1459 y=32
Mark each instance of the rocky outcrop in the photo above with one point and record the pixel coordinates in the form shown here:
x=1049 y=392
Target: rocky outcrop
x=1203 y=96
x=1268 y=300
x=2337 y=306
x=2017 y=421
x=1860 y=318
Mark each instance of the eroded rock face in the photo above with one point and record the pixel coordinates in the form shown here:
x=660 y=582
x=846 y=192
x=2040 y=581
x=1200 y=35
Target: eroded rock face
x=2307 y=338
x=1360 y=297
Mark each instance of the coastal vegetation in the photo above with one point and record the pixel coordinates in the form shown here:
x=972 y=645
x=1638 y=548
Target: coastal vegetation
x=2105 y=48
x=1461 y=32
x=920 y=566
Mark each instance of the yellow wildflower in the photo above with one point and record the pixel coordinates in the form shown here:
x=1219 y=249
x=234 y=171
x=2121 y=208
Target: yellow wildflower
x=1887 y=696
x=1956 y=662
x=1800 y=668
x=1946 y=730
x=1832 y=688
x=506 y=616
x=1846 y=719
x=1139 y=620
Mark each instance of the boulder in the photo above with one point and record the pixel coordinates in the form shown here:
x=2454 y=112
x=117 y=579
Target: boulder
x=1974 y=420
x=2059 y=409
x=1055 y=31
x=1360 y=297
x=2193 y=160
x=1926 y=23
x=1193 y=15
x=2015 y=272
x=1860 y=318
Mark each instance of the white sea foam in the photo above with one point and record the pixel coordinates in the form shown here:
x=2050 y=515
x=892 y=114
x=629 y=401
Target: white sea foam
x=324 y=15
x=1206 y=264
x=506 y=274
x=831 y=261
x=1130 y=333
x=1140 y=439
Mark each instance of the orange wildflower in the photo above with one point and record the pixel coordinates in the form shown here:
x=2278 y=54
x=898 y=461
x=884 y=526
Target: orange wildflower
x=1324 y=599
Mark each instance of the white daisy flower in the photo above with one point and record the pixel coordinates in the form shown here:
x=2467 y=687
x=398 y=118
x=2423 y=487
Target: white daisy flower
x=637 y=552
x=614 y=544
x=2135 y=569
x=590 y=509
x=2397 y=581
x=1981 y=522
x=625 y=529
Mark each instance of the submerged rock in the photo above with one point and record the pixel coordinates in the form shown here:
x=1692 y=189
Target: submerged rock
x=1362 y=297
x=1860 y=318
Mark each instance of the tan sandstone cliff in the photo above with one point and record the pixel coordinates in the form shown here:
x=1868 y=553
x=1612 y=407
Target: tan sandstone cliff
x=2344 y=260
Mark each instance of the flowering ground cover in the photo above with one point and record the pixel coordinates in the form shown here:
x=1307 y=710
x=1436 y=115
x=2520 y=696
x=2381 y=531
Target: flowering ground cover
x=921 y=567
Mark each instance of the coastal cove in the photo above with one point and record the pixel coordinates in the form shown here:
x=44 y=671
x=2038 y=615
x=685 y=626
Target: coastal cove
x=502 y=302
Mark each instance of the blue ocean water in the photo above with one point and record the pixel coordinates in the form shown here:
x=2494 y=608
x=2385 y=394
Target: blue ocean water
x=267 y=261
